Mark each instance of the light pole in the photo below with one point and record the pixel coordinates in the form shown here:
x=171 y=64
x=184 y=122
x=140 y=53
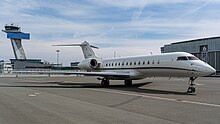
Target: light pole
x=58 y=51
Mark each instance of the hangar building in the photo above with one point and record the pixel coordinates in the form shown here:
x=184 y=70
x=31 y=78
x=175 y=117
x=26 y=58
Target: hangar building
x=206 y=49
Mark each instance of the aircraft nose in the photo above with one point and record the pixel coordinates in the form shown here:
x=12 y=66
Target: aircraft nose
x=206 y=69
x=211 y=70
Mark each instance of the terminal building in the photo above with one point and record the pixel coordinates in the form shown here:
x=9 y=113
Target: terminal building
x=206 y=49
x=5 y=67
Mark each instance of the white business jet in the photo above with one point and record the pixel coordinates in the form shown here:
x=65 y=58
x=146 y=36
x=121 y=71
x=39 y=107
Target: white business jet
x=176 y=64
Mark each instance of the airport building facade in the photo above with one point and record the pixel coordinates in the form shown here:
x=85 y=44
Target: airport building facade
x=206 y=49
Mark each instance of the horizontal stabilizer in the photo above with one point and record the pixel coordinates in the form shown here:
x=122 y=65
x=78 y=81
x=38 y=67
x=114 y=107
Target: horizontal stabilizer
x=86 y=48
x=83 y=44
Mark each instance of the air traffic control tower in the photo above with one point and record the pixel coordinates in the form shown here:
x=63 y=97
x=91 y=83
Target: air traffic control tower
x=15 y=34
x=21 y=62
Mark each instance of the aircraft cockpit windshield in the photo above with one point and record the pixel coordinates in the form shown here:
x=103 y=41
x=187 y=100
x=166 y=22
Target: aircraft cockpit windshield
x=182 y=58
x=192 y=58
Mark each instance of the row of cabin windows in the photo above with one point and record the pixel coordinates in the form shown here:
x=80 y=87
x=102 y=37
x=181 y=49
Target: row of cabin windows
x=131 y=63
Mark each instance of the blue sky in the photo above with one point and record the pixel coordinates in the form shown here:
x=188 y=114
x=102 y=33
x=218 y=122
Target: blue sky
x=129 y=27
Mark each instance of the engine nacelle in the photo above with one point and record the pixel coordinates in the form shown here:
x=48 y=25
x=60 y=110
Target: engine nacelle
x=88 y=64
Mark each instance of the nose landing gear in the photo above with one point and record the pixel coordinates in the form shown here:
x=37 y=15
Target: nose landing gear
x=191 y=88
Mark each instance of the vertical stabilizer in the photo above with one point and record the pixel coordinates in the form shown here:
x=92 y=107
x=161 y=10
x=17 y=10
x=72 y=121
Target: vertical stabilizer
x=87 y=50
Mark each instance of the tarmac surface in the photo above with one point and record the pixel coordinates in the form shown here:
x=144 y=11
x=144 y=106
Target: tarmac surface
x=81 y=100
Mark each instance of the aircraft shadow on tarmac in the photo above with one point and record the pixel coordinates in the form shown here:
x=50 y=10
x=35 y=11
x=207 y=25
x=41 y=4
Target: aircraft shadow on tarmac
x=136 y=87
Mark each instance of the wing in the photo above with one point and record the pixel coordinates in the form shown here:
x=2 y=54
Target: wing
x=102 y=74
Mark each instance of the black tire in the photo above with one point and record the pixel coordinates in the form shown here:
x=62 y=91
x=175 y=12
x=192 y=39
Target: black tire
x=193 y=89
x=190 y=89
x=102 y=83
x=105 y=83
x=128 y=82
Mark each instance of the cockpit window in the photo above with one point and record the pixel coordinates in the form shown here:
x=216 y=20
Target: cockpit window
x=182 y=58
x=192 y=58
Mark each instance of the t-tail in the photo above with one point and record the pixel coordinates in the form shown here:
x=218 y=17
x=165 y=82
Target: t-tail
x=86 y=48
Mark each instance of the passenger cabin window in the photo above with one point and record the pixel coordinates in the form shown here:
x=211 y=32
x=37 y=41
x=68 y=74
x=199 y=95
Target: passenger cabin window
x=192 y=58
x=182 y=58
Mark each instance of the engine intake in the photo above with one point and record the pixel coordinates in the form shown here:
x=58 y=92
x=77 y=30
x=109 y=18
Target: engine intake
x=93 y=63
x=88 y=64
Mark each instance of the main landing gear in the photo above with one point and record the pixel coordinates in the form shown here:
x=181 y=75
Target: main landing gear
x=104 y=82
x=128 y=82
x=191 y=88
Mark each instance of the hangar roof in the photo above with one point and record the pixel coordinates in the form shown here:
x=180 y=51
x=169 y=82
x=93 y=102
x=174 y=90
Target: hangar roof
x=209 y=38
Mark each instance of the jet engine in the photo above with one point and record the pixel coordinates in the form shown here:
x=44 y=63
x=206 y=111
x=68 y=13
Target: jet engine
x=88 y=64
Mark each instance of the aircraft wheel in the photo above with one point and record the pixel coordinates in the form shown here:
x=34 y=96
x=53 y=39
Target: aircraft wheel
x=105 y=82
x=128 y=82
x=191 y=90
